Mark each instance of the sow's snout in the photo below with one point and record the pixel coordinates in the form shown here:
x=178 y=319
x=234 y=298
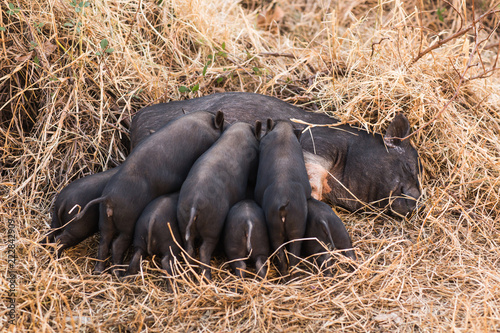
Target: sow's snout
x=406 y=202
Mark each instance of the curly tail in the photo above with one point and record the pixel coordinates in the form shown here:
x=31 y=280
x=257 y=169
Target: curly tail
x=151 y=224
x=192 y=219
x=249 y=235
x=283 y=211
x=88 y=205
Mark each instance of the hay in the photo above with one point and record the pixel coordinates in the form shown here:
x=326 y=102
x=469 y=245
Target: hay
x=66 y=99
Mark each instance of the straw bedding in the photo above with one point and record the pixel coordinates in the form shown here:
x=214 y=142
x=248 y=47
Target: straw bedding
x=72 y=74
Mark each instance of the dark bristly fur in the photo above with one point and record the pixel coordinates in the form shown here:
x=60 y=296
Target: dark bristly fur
x=153 y=236
x=245 y=235
x=282 y=189
x=66 y=229
x=343 y=163
x=158 y=166
x=216 y=182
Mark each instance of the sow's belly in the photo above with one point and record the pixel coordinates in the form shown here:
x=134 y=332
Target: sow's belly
x=248 y=107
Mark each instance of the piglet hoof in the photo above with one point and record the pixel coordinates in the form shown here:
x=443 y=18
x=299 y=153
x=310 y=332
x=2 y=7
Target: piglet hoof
x=170 y=281
x=127 y=278
x=119 y=273
x=206 y=275
x=99 y=268
x=328 y=273
x=351 y=254
x=130 y=273
x=236 y=290
x=262 y=273
x=205 y=279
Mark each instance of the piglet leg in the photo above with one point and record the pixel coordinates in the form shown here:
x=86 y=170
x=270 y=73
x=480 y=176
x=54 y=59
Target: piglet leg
x=120 y=245
x=239 y=267
x=135 y=263
x=261 y=267
x=206 y=250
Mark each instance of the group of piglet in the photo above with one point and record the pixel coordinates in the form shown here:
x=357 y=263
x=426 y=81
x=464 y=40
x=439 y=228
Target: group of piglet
x=228 y=183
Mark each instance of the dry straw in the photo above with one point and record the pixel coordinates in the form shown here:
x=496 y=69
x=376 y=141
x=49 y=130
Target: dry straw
x=73 y=73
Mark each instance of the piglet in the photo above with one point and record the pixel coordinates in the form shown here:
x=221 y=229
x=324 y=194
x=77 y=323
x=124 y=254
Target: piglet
x=216 y=181
x=282 y=189
x=245 y=235
x=65 y=228
x=324 y=225
x=153 y=236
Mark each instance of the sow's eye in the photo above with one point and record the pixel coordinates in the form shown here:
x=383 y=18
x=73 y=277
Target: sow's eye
x=406 y=168
x=411 y=169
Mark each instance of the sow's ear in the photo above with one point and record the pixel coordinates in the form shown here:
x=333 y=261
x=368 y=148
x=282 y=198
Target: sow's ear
x=219 y=120
x=398 y=129
x=270 y=125
x=258 y=129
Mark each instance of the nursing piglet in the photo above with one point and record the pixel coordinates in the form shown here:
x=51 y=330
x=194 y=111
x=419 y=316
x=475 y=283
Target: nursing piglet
x=66 y=230
x=282 y=189
x=216 y=182
x=153 y=236
x=324 y=225
x=245 y=235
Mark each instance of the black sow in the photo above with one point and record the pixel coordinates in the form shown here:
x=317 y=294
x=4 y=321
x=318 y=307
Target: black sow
x=347 y=167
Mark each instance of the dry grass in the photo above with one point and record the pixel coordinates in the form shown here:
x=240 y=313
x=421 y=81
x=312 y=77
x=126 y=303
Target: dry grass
x=64 y=112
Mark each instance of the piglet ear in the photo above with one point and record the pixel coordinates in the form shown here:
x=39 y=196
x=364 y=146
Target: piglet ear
x=298 y=133
x=398 y=129
x=258 y=129
x=270 y=125
x=219 y=120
